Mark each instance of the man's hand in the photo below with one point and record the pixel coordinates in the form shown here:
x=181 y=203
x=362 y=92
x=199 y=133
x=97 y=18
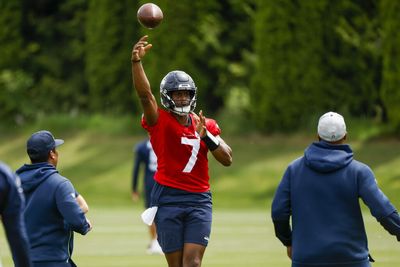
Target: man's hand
x=90 y=224
x=200 y=124
x=140 y=49
x=135 y=196
x=289 y=252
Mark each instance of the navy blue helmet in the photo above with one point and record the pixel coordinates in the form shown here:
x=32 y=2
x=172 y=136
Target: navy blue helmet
x=177 y=81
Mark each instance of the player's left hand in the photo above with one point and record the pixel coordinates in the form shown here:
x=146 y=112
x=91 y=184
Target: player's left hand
x=200 y=124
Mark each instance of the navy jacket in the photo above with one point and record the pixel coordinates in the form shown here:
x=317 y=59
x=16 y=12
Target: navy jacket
x=321 y=192
x=11 y=210
x=51 y=213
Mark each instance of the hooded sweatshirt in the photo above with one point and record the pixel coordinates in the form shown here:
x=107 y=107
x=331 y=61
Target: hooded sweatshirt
x=11 y=211
x=51 y=213
x=321 y=192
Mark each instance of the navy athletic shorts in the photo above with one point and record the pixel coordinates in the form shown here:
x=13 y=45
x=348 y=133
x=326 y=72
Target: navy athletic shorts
x=148 y=187
x=182 y=217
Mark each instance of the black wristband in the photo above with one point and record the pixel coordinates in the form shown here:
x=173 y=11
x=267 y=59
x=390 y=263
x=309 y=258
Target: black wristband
x=211 y=141
x=134 y=61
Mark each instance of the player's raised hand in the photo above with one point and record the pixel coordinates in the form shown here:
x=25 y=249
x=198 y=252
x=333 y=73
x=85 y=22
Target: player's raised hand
x=140 y=49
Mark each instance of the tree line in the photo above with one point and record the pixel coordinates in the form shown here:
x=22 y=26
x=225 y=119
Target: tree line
x=280 y=62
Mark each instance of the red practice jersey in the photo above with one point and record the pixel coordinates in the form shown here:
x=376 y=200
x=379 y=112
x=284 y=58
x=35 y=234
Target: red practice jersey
x=181 y=156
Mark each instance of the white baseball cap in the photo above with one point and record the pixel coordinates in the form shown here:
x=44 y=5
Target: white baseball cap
x=331 y=127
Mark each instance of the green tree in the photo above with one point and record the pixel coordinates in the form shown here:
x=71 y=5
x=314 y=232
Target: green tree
x=391 y=58
x=283 y=62
x=14 y=88
x=290 y=69
x=54 y=38
x=314 y=56
x=15 y=83
x=110 y=31
x=10 y=34
x=355 y=57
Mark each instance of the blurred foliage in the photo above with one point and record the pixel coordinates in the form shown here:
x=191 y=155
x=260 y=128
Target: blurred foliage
x=108 y=41
x=11 y=36
x=391 y=55
x=315 y=56
x=285 y=61
x=15 y=86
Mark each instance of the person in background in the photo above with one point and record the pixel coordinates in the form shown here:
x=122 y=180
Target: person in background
x=52 y=212
x=145 y=157
x=181 y=197
x=11 y=211
x=320 y=192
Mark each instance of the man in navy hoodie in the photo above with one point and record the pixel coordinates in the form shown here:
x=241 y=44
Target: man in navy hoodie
x=52 y=212
x=321 y=192
x=11 y=211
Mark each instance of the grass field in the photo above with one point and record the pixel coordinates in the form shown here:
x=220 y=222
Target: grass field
x=239 y=238
x=99 y=163
x=100 y=166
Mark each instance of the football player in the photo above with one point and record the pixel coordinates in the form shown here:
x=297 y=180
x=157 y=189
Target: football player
x=145 y=157
x=181 y=140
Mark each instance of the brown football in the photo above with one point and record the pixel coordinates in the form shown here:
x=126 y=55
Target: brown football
x=150 y=15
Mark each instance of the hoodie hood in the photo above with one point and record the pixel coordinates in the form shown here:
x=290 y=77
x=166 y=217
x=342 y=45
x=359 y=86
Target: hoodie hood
x=324 y=157
x=33 y=175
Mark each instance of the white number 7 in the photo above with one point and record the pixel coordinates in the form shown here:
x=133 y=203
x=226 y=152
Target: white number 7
x=195 y=143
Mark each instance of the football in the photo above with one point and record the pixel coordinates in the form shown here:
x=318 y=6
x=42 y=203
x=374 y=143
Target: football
x=150 y=15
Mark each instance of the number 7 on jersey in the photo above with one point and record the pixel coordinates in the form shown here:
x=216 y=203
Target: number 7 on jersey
x=195 y=143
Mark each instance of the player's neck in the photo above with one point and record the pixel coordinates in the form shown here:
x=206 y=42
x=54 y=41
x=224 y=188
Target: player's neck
x=183 y=120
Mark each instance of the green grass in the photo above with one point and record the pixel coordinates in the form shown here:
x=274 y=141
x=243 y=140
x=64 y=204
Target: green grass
x=100 y=165
x=239 y=238
x=97 y=157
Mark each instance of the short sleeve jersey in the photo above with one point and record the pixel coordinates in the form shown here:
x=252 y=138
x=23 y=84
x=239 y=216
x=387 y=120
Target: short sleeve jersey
x=181 y=156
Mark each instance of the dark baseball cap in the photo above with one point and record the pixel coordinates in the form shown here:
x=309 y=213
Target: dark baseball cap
x=40 y=143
